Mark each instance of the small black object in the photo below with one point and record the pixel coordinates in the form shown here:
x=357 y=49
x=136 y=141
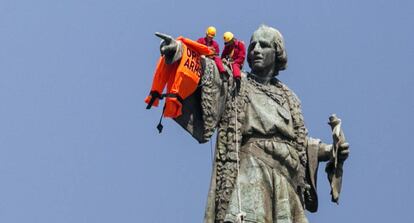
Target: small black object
x=159 y=127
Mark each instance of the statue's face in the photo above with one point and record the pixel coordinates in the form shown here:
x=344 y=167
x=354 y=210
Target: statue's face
x=262 y=53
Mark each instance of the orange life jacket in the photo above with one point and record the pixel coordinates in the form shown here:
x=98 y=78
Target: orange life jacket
x=181 y=78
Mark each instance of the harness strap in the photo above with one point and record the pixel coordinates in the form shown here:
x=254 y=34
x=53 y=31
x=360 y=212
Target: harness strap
x=172 y=95
x=155 y=95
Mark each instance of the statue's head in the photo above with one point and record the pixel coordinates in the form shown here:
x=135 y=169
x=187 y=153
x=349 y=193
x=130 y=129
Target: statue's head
x=266 y=53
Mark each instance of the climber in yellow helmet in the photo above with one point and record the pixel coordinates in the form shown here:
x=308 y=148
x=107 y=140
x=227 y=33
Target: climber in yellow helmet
x=209 y=41
x=234 y=52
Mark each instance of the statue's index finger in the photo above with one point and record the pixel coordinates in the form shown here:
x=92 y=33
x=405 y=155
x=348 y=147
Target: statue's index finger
x=163 y=36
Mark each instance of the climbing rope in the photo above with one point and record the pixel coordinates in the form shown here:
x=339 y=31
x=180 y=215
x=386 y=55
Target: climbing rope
x=211 y=153
x=240 y=216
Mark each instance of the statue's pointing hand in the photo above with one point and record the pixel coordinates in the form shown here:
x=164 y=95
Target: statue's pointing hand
x=168 y=45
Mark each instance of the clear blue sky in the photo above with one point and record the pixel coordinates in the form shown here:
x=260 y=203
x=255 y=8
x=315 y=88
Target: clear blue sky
x=77 y=145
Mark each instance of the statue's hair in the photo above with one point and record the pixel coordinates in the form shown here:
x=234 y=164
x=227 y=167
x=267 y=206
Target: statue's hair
x=278 y=43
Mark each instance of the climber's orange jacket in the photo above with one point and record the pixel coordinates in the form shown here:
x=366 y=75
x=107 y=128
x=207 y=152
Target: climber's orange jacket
x=181 y=77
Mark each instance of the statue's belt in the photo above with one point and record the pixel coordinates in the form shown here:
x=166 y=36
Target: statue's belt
x=288 y=171
x=252 y=139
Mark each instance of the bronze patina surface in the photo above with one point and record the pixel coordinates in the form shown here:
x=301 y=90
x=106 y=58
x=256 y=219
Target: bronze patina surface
x=265 y=163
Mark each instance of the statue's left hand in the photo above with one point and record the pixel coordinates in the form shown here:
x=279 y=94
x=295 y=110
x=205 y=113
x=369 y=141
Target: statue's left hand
x=343 y=151
x=325 y=152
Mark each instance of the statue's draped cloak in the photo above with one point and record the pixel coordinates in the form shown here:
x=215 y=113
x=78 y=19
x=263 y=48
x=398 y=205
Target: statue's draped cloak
x=213 y=106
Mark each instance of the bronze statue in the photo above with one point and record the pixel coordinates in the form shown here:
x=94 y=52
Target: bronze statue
x=265 y=164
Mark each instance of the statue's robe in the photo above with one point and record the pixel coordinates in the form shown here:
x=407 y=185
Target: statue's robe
x=278 y=162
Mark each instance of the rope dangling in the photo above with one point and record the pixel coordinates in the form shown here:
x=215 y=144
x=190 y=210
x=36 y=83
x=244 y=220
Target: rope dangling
x=160 y=126
x=241 y=215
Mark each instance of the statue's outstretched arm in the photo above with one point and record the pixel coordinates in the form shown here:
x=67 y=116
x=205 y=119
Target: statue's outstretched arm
x=202 y=110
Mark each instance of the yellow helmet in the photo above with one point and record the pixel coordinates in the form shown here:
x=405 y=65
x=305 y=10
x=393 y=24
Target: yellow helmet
x=211 y=31
x=228 y=36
